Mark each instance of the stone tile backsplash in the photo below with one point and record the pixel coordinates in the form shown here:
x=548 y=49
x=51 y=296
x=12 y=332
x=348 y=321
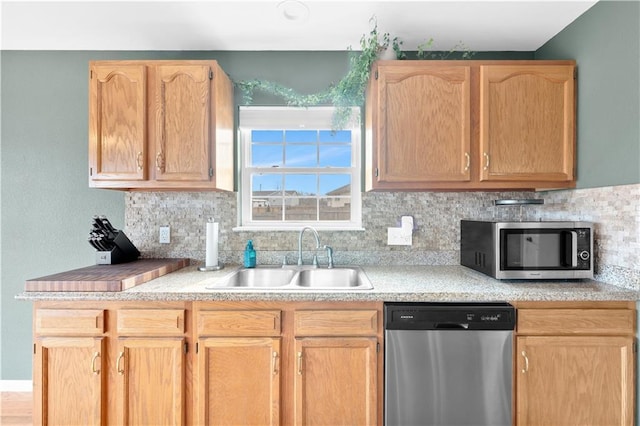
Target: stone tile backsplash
x=615 y=210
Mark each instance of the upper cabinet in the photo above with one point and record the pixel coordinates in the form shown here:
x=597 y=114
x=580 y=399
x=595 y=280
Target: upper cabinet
x=527 y=115
x=160 y=125
x=460 y=125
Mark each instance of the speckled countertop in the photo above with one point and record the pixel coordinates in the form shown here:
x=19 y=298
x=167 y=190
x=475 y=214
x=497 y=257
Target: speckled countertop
x=391 y=283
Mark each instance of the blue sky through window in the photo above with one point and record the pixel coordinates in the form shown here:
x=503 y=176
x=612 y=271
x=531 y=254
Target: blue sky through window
x=321 y=149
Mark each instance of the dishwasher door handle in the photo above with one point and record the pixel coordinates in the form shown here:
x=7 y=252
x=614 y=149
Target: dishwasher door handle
x=451 y=326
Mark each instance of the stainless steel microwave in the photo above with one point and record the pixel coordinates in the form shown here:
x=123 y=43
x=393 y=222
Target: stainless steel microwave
x=528 y=250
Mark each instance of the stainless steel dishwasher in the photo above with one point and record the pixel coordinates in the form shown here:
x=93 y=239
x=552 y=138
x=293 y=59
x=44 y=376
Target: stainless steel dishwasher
x=448 y=364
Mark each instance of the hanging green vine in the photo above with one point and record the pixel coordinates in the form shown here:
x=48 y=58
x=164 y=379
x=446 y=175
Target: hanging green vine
x=350 y=91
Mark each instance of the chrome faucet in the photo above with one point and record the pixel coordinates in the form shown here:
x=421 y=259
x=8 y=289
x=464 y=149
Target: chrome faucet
x=315 y=233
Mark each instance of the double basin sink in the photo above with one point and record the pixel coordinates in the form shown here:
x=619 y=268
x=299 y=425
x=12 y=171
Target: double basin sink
x=295 y=278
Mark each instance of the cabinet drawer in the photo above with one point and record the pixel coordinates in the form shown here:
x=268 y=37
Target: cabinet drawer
x=336 y=323
x=239 y=323
x=59 y=322
x=576 y=321
x=151 y=322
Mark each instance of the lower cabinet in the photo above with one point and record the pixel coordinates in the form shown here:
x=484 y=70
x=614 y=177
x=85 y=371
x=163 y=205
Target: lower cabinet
x=300 y=363
x=68 y=379
x=336 y=381
x=289 y=363
x=151 y=381
x=575 y=364
x=240 y=380
x=123 y=364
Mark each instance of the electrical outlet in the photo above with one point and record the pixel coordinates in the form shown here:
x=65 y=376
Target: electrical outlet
x=165 y=235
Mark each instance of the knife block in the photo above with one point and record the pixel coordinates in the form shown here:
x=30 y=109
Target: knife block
x=123 y=251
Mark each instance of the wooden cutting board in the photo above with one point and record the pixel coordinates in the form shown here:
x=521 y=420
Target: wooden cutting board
x=107 y=277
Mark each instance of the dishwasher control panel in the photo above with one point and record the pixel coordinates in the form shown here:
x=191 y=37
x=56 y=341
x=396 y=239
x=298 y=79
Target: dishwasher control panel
x=449 y=316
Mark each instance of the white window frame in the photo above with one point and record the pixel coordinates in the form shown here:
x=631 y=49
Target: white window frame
x=288 y=118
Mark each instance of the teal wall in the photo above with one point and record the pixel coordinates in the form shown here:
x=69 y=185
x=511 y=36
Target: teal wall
x=605 y=42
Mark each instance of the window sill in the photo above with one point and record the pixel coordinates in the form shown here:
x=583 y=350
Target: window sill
x=296 y=228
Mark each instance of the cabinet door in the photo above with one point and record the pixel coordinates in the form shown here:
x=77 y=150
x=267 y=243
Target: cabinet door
x=182 y=118
x=151 y=381
x=69 y=378
x=335 y=381
x=117 y=123
x=570 y=380
x=527 y=129
x=239 y=381
x=423 y=125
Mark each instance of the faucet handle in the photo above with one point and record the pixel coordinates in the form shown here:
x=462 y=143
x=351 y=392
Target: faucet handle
x=329 y=257
x=315 y=260
x=284 y=260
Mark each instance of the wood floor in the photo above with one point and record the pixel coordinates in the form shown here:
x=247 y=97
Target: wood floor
x=15 y=408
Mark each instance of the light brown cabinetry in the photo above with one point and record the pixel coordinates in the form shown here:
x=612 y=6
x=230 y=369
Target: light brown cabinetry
x=433 y=125
x=239 y=366
x=160 y=125
x=575 y=364
x=122 y=365
x=289 y=363
x=69 y=366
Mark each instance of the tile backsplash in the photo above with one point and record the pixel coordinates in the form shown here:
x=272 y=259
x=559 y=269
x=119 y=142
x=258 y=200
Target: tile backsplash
x=615 y=211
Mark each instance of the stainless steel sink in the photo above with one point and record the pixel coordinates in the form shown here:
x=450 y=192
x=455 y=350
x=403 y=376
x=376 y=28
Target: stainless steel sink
x=331 y=278
x=304 y=278
x=259 y=277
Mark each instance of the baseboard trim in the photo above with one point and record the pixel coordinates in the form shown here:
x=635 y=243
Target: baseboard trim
x=16 y=386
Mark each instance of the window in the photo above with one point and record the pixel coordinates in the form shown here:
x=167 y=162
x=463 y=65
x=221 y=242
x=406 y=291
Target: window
x=296 y=171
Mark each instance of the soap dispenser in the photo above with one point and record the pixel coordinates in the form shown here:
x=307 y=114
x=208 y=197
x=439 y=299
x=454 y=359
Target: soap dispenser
x=249 y=256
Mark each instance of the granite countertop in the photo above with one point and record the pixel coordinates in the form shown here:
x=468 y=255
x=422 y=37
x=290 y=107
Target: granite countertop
x=391 y=283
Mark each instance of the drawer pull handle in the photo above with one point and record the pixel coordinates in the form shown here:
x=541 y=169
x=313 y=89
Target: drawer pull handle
x=526 y=362
x=95 y=357
x=119 y=363
x=300 y=363
x=274 y=358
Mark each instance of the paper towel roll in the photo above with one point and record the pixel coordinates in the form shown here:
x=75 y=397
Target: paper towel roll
x=211 y=257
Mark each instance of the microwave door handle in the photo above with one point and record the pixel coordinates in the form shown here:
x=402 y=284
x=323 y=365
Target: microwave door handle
x=574 y=249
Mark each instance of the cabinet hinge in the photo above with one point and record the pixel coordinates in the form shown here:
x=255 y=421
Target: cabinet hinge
x=575 y=73
x=210 y=74
x=90 y=171
x=376 y=75
x=210 y=171
x=634 y=347
x=377 y=347
x=377 y=172
x=34 y=348
x=90 y=74
x=197 y=347
x=186 y=347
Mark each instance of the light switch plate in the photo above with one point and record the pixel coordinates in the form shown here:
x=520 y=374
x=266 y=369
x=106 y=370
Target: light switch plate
x=399 y=237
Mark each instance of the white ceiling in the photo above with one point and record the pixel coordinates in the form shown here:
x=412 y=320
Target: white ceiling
x=481 y=25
